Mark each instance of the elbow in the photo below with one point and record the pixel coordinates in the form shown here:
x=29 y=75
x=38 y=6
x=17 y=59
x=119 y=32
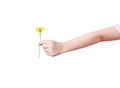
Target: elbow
x=99 y=37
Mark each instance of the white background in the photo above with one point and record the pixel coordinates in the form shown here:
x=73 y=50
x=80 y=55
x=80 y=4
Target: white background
x=97 y=66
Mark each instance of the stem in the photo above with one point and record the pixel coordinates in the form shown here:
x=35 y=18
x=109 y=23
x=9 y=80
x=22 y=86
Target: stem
x=39 y=46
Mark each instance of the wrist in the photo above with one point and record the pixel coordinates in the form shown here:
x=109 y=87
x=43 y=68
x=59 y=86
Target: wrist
x=64 y=47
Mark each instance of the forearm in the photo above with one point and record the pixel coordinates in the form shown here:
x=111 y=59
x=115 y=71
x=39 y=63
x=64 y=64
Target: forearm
x=81 y=41
x=106 y=34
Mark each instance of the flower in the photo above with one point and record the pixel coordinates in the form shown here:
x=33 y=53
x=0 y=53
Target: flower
x=40 y=29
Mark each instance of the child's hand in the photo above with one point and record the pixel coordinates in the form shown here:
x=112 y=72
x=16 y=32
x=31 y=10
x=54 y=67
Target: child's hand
x=52 y=48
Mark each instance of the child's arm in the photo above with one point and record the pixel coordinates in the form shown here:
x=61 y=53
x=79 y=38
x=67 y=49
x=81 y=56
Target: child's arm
x=54 y=48
x=106 y=34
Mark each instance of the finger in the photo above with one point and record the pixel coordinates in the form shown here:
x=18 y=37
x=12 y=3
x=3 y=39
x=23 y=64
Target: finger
x=44 y=46
x=43 y=42
x=46 y=50
x=50 y=54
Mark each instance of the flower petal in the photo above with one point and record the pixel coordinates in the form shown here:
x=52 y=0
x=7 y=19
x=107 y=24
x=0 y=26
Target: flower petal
x=40 y=29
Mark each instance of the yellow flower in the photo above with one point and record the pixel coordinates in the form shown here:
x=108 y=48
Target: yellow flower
x=40 y=29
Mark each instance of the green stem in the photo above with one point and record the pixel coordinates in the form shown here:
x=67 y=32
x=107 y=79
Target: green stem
x=39 y=46
x=40 y=35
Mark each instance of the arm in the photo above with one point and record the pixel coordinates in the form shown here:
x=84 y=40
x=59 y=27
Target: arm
x=54 y=48
x=106 y=34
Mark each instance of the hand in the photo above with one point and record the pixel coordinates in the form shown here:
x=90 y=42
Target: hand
x=52 y=48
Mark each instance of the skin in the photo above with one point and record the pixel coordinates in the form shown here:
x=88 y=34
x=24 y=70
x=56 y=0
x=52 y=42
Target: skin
x=53 y=48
